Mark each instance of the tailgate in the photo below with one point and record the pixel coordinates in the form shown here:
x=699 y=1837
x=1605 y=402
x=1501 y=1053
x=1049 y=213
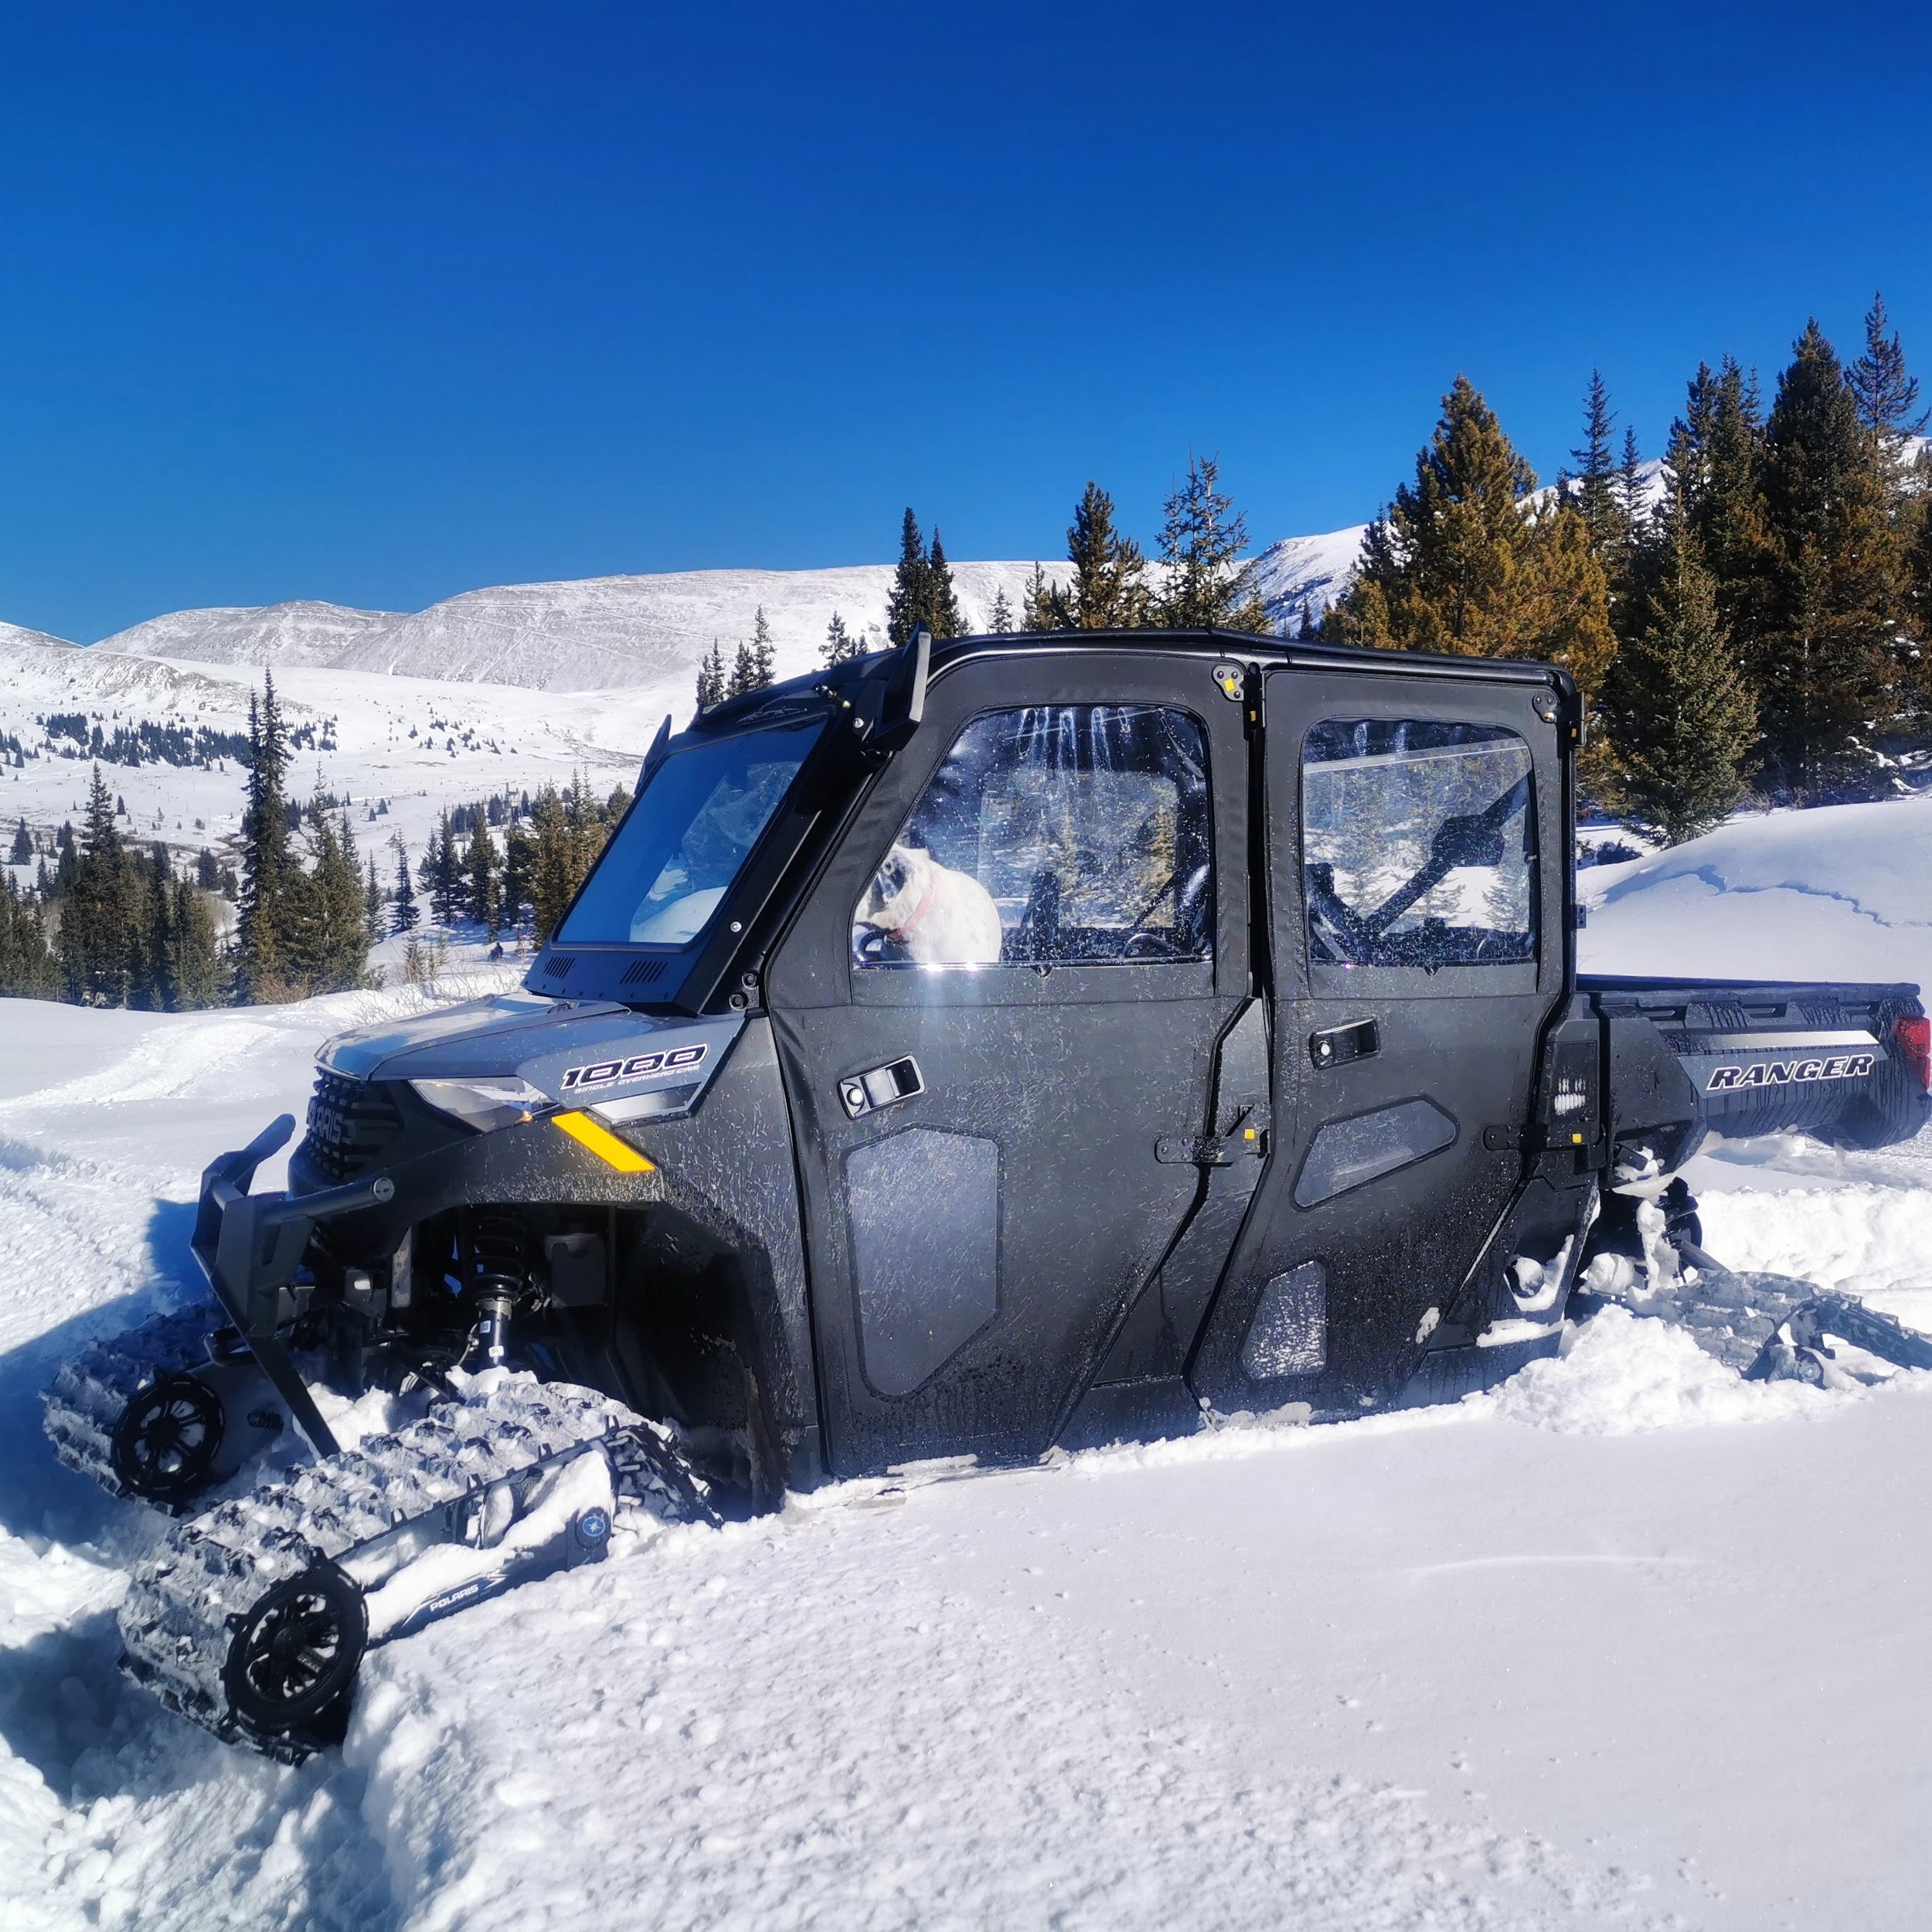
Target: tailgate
x=1845 y=1063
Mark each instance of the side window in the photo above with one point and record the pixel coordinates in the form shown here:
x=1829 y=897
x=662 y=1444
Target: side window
x=1418 y=844
x=1061 y=834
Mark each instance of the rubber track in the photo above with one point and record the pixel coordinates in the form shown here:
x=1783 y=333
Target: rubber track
x=90 y=1395
x=1737 y=1317
x=176 y=1621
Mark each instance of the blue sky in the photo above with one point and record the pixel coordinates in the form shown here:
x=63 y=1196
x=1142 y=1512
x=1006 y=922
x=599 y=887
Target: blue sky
x=381 y=303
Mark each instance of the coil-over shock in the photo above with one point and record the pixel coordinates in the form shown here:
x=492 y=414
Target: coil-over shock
x=494 y=1248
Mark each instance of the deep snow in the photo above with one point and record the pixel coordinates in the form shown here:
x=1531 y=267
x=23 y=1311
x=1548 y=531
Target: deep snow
x=1627 y=1642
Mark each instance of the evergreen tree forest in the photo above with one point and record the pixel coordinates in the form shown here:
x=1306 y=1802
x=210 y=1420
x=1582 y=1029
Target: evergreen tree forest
x=1754 y=622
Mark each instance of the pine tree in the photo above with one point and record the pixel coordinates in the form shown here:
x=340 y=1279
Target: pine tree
x=1826 y=676
x=481 y=868
x=197 y=974
x=1629 y=489
x=1207 y=584
x=97 y=912
x=1459 y=562
x=1921 y=556
x=1715 y=469
x=999 y=617
x=154 y=987
x=711 y=678
x=1311 y=625
x=1594 y=490
x=942 y=616
x=1045 y=607
x=372 y=903
x=554 y=879
x=1107 y=592
x=28 y=969
x=1887 y=395
x=840 y=646
x=519 y=871
x=406 y=913
x=744 y=673
x=1679 y=704
x=23 y=853
x=764 y=668
x=446 y=890
x=909 y=602
x=261 y=969
x=329 y=938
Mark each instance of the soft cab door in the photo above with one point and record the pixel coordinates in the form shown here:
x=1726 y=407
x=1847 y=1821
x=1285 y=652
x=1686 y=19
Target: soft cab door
x=1003 y=996
x=1419 y=914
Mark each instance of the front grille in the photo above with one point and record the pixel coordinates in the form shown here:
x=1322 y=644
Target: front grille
x=351 y=1124
x=643 y=972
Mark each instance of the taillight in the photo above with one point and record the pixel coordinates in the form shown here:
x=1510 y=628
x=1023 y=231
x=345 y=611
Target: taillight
x=1914 y=1036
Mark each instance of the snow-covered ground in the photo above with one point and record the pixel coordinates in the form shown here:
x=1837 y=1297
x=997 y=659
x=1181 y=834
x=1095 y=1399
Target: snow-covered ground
x=1628 y=1642
x=1842 y=892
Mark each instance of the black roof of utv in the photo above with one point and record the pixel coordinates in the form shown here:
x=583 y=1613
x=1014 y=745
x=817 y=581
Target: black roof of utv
x=843 y=681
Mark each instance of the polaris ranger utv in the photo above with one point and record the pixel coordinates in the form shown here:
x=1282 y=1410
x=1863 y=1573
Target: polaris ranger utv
x=1013 y=1042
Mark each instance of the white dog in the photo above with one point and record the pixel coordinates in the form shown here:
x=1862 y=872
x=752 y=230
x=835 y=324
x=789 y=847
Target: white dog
x=942 y=917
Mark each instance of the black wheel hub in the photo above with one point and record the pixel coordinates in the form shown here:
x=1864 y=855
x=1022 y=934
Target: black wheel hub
x=292 y=1664
x=167 y=1439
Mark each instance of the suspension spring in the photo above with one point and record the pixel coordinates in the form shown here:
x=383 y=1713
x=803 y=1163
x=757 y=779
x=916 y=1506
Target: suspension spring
x=496 y=1278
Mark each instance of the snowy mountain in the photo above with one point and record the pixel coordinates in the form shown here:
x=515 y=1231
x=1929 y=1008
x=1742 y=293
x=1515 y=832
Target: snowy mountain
x=16 y=635
x=594 y=634
x=600 y=634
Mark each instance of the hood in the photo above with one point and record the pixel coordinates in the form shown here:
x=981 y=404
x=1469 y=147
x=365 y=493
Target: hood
x=589 y=1052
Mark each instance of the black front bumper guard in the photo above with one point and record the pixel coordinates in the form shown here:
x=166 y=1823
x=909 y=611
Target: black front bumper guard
x=250 y=1246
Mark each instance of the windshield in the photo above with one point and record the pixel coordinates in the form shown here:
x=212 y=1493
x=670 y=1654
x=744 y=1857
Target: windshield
x=668 y=868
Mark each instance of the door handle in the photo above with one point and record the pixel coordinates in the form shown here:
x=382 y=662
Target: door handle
x=862 y=1094
x=1336 y=1045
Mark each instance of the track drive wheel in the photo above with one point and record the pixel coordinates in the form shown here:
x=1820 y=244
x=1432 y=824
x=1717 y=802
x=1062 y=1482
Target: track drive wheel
x=291 y=1665
x=167 y=1439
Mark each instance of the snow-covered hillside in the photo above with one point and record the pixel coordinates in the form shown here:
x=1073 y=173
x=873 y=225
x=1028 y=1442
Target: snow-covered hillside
x=417 y=742
x=608 y=633
x=1838 y=892
x=1628 y=1643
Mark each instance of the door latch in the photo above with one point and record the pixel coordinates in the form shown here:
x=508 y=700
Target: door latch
x=1248 y=1140
x=863 y=1093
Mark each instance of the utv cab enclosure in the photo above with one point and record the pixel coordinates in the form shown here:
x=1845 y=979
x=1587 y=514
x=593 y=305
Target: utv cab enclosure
x=1269 y=1083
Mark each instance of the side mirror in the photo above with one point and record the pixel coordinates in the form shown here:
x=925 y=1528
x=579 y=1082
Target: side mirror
x=655 y=756
x=902 y=698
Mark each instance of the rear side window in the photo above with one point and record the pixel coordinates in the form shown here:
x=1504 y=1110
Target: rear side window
x=1059 y=835
x=1418 y=844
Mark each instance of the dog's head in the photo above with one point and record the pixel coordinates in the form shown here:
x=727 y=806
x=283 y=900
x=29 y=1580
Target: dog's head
x=896 y=888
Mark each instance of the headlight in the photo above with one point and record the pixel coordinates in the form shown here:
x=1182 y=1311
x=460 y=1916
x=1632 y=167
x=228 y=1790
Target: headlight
x=484 y=1104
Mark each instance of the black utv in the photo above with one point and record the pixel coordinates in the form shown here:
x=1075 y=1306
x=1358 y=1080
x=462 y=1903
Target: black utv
x=1006 y=1043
